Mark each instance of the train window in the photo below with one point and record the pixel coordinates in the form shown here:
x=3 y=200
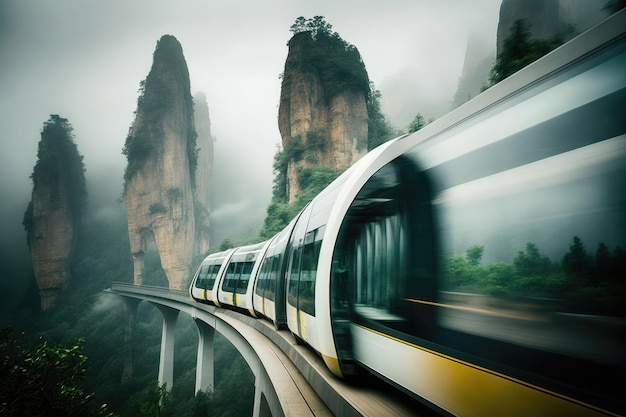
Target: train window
x=273 y=275
x=263 y=277
x=308 y=270
x=244 y=277
x=201 y=282
x=385 y=254
x=230 y=280
x=212 y=275
x=294 y=275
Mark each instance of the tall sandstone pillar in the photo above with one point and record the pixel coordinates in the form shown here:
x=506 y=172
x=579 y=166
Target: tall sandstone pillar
x=162 y=158
x=330 y=125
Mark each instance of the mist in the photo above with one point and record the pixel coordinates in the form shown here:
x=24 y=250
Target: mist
x=84 y=61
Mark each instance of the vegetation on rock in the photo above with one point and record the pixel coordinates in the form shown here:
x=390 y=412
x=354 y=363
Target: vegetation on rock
x=157 y=94
x=519 y=51
x=59 y=166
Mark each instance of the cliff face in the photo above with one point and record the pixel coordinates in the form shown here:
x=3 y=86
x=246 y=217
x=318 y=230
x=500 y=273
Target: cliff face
x=545 y=20
x=54 y=215
x=548 y=19
x=329 y=127
x=162 y=154
x=204 y=171
x=52 y=241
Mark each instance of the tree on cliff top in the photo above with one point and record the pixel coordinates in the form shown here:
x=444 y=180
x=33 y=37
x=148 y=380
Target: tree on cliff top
x=337 y=62
x=340 y=67
x=59 y=164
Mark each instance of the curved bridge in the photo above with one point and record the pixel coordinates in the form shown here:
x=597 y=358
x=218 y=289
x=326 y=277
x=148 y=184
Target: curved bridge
x=290 y=379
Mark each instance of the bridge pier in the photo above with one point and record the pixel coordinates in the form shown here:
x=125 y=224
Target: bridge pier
x=205 y=367
x=166 y=361
x=261 y=407
x=130 y=307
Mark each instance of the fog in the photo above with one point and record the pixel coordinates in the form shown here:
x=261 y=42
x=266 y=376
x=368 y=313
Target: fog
x=84 y=61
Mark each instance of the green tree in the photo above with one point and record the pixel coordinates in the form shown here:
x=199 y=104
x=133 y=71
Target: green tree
x=44 y=380
x=474 y=255
x=337 y=63
x=613 y=6
x=59 y=166
x=518 y=51
x=577 y=263
x=379 y=130
x=417 y=123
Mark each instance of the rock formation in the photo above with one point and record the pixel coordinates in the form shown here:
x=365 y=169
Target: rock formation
x=52 y=220
x=162 y=159
x=204 y=171
x=322 y=118
x=479 y=58
x=549 y=19
x=545 y=20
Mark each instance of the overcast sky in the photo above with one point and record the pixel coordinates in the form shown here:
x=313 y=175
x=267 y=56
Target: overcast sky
x=84 y=60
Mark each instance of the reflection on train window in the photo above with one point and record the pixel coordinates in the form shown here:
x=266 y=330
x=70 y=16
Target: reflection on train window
x=232 y=274
x=303 y=271
x=386 y=250
x=201 y=282
x=244 y=277
x=212 y=275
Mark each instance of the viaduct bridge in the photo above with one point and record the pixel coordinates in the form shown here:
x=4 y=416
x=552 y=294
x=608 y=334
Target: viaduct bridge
x=290 y=379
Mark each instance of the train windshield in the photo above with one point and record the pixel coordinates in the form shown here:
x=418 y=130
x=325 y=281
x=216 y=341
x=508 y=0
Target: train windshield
x=386 y=252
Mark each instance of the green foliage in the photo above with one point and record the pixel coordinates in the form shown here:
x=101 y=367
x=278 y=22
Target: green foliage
x=43 y=380
x=581 y=282
x=59 y=166
x=316 y=140
x=294 y=150
x=156 y=208
x=474 y=255
x=417 y=123
x=379 y=130
x=337 y=63
x=613 y=6
x=226 y=244
x=278 y=216
x=174 y=194
x=518 y=51
x=315 y=26
x=312 y=180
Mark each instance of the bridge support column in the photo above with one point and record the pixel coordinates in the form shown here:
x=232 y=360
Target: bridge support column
x=130 y=307
x=205 y=363
x=261 y=407
x=166 y=362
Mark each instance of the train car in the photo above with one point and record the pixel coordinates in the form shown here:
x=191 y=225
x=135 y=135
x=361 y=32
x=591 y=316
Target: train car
x=478 y=264
x=235 y=286
x=203 y=287
x=308 y=267
x=269 y=288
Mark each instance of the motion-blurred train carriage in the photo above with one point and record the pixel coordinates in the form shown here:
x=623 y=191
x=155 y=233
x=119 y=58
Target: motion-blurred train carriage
x=478 y=264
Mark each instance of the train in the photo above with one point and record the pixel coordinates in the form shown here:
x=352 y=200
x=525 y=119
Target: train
x=478 y=264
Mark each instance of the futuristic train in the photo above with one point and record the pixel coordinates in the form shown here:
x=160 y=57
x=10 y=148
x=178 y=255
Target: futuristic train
x=478 y=264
